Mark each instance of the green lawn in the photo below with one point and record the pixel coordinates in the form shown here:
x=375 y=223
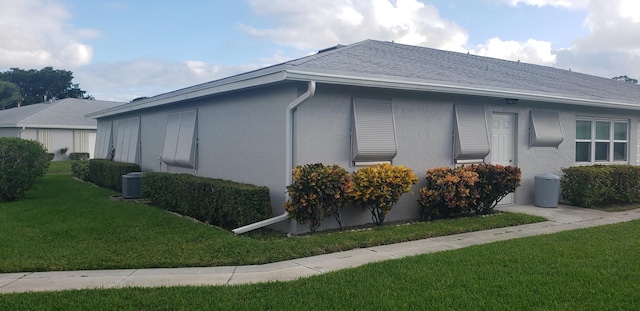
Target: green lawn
x=65 y=224
x=57 y=167
x=588 y=269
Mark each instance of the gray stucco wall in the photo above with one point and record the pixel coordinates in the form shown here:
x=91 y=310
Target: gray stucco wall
x=242 y=138
x=9 y=132
x=424 y=128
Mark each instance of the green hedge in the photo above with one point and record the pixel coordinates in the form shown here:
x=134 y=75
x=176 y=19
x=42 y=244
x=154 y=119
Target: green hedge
x=588 y=186
x=223 y=203
x=74 y=156
x=108 y=174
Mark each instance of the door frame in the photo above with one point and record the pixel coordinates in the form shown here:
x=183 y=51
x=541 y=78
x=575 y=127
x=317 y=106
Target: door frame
x=509 y=199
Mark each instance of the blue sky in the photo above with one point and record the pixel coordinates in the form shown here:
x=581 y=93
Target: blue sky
x=120 y=50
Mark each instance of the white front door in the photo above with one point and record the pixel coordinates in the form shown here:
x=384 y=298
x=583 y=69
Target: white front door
x=503 y=144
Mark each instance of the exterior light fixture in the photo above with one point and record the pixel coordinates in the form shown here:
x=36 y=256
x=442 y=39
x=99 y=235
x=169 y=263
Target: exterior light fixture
x=511 y=101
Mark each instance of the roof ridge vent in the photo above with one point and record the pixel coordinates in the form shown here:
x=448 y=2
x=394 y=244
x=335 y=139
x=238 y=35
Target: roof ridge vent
x=331 y=48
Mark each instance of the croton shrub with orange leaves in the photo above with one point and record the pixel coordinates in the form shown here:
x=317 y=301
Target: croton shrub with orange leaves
x=379 y=187
x=461 y=190
x=317 y=191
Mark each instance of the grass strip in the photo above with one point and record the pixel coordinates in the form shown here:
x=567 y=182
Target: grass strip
x=65 y=224
x=587 y=269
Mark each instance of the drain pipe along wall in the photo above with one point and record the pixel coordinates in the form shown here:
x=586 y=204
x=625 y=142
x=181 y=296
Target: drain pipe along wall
x=311 y=90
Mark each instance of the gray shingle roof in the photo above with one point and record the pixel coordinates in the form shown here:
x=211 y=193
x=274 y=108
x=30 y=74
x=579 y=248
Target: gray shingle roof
x=64 y=113
x=464 y=70
x=391 y=65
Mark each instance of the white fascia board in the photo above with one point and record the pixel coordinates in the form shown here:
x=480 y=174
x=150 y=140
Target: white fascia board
x=406 y=84
x=197 y=91
x=58 y=127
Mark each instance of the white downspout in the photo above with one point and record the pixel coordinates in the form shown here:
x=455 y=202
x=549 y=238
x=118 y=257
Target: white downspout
x=311 y=90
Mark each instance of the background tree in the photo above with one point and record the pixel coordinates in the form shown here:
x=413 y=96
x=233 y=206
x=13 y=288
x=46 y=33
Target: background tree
x=9 y=95
x=625 y=79
x=37 y=86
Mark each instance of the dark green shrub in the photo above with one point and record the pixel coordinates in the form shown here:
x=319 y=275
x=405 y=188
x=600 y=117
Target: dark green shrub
x=108 y=174
x=585 y=186
x=80 y=170
x=76 y=156
x=317 y=191
x=50 y=156
x=588 y=186
x=448 y=192
x=624 y=186
x=223 y=203
x=21 y=163
x=494 y=183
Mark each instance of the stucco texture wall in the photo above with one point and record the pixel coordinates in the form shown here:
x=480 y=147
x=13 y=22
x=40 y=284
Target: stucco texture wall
x=424 y=128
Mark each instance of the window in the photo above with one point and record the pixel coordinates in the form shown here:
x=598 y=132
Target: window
x=601 y=140
x=471 y=140
x=127 y=140
x=103 y=140
x=545 y=130
x=373 y=135
x=180 y=139
x=44 y=137
x=80 y=141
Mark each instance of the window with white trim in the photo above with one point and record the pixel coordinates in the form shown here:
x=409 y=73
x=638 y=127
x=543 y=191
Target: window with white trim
x=602 y=140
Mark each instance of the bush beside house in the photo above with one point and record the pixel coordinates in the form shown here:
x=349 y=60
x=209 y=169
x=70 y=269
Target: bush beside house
x=218 y=202
x=108 y=174
x=317 y=191
x=588 y=186
x=21 y=163
x=454 y=191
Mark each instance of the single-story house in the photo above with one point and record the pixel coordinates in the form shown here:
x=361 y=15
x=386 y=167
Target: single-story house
x=377 y=101
x=56 y=124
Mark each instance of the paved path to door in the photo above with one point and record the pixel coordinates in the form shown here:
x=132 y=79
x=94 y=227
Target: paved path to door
x=559 y=219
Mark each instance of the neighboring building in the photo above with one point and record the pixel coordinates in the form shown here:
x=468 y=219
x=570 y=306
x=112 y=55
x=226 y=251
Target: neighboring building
x=374 y=102
x=56 y=124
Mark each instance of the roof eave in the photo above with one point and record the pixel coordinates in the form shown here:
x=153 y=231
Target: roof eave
x=254 y=79
x=383 y=82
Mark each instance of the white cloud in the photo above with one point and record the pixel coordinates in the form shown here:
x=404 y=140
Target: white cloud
x=33 y=34
x=532 y=51
x=572 y=4
x=124 y=81
x=348 y=21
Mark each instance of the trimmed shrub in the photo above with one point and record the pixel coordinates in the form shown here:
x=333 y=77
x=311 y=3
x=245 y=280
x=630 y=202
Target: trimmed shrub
x=448 y=192
x=223 y=203
x=454 y=191
x=624 y=186
x=317 y=191
x=588 y=186
x=585 y=186
x=494 y=183
x=80 y=170
x=21 y=163
x=108 y=174
x=379 y=187
x=79 y=156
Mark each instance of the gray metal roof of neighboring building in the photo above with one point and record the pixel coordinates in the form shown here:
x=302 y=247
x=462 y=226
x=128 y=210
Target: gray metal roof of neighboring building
x=391 y=65
x=66 y=113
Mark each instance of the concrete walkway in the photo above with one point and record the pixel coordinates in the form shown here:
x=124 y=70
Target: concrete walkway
x=559 y=219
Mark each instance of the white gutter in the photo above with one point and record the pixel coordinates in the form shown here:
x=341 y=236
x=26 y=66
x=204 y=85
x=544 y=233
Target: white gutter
x=413 y=85
x=311 y=90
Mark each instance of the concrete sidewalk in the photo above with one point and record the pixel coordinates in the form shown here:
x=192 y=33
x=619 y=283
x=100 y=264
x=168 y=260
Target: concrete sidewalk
x=559 y=219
